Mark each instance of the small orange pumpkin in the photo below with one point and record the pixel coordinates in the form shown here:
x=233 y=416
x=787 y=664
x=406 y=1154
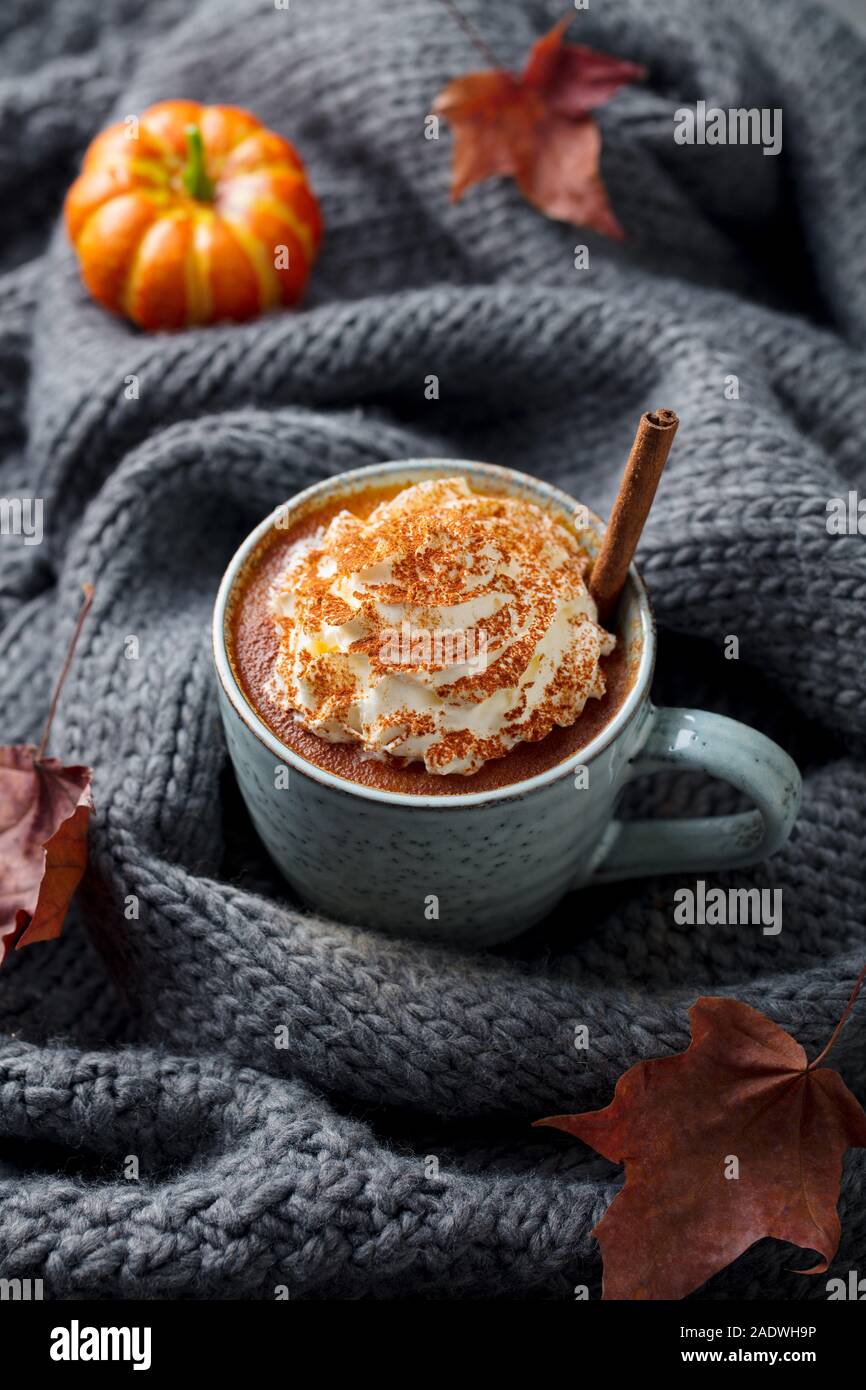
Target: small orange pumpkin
x=200 y=214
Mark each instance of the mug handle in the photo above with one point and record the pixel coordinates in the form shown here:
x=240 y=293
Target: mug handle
x=704 y=742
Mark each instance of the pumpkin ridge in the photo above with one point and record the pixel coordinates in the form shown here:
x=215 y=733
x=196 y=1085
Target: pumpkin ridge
x=149 y=170
x=284 y=213
x=156 y=197
x=93 y=208
x=255 y=135
x=169 y=155
x=199 y=297
x=125 y=297
x=216 y=155
x=132 y=218
x=270 y=288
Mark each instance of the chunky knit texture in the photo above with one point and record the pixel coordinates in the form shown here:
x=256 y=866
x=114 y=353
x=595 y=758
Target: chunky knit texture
x=311 y=1165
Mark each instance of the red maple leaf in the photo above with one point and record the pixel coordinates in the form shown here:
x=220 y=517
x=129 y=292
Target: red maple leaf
x=536 y=128
x=44 y=813
x=735 y=1139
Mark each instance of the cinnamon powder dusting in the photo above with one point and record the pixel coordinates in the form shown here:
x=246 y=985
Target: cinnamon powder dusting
x=445 y=627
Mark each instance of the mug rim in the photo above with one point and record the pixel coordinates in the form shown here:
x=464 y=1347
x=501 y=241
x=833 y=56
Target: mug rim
x=249 y=716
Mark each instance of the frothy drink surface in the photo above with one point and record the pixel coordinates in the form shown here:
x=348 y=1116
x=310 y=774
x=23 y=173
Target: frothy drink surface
x=258 y=650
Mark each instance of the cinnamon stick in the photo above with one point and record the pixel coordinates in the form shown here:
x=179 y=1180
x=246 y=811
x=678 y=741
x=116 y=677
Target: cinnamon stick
x=649 y=452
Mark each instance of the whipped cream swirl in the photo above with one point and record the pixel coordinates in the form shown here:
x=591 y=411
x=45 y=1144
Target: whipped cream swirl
x=445 y=627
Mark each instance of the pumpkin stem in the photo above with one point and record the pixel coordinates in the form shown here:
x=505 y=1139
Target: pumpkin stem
x=194 y=177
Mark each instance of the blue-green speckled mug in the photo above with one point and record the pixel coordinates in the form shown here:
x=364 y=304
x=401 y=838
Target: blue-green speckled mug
x=479 y=867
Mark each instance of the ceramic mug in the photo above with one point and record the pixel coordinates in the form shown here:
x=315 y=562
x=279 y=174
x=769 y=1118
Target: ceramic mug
x=479 y=867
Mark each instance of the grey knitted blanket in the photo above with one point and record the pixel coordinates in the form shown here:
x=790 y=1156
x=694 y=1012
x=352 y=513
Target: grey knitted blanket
x=387 y=1151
